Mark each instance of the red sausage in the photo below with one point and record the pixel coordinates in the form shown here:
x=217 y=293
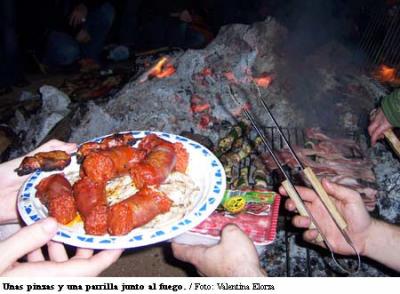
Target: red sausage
x=91 y=202
x=55 y=192
x=155 y=168
x=136 y=211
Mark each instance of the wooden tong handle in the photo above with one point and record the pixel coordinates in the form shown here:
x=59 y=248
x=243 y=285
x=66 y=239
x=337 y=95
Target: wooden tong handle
x=393 y=140
x=292 y=193
x=325 y=197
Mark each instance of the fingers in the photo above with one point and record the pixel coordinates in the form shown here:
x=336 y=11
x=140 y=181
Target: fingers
x=232 y=233
x=55 y=145
x=73 y=267
x=26 y=240
x=340 y=192
x=189 y=253
x=301 y=221
x=35 y=256
x=310 y=236
x=57 y=252
x=305 y=193
x=83 y=253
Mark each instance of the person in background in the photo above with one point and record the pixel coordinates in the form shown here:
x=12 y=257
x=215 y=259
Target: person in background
x=11 y=73
x=29 y=240
x=168 y=23
x=385 y=117
x=236 y=255
x=75 y=31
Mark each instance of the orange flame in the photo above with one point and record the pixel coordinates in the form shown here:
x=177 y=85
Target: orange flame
x=385 y=73
x=162 y=69
x=263 y=81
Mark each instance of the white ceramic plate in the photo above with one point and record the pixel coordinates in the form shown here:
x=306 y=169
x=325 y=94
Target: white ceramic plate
x=204 y=169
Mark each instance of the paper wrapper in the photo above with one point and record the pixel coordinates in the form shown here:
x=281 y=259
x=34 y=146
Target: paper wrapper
x=260 y=226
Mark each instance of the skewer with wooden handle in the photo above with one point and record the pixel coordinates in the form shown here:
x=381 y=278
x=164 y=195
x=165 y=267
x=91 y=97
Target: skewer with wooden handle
x=325 y=198
x=292 y=193
x=393 y=141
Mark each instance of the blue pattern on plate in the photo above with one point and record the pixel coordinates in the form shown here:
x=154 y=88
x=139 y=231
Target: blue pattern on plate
x=30 y=214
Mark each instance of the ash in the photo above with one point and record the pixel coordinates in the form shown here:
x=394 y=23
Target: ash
x=387 y=170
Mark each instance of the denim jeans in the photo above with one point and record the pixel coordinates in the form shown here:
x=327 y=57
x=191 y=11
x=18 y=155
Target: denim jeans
x=10 y=62
x=63 y=49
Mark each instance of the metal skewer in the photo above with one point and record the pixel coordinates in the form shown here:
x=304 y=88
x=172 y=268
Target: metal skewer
x=292 y=191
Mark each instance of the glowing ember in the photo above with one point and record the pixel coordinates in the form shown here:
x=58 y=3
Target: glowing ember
x=200 y=107
x=238 y=110
x=263 y=81
x=207 y=71
x=162 y=69
x=386 y=74
x=230 y=76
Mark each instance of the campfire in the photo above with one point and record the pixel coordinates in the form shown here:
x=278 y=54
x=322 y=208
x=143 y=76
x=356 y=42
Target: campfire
x=189 y=93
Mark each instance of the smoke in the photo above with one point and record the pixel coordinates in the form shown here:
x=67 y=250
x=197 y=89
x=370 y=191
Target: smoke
x=319 y=50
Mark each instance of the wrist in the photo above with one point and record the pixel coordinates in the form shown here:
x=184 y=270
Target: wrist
x=372 y=240
x=255 y=271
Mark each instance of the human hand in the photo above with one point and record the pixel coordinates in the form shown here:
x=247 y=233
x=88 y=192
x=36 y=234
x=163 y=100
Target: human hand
x=10 y=183
x=29 y=240
x=234 y=256
x=350 y=206
x=378 y=126
x=185 y=16
x=83 y=36
x=78 y=15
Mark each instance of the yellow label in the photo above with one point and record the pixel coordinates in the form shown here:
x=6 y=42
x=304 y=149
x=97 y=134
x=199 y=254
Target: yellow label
x=235 y=204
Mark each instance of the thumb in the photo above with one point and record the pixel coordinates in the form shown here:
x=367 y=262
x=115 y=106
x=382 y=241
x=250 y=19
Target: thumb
x=26 y=240
x=340 y=192
x=232 y=234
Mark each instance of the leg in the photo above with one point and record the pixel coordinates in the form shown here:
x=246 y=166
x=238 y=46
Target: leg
x=61 y=49
x=98 y=24
x=128 y=29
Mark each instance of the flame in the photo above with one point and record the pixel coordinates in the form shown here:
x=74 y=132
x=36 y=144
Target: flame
x=385 y=73
x=162 y=69
x=263 y=81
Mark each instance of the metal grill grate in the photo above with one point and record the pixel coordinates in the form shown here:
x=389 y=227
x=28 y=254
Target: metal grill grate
x=292 y=248
x=381 y=38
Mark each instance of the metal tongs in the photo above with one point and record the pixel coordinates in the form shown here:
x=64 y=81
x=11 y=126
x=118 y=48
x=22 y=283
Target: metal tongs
x=292 y=191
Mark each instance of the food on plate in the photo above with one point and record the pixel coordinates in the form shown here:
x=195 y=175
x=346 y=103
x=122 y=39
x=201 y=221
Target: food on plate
x=55 y=192
x=91 y=202
x=137 y=210
x=46 y=161
x=118 y=188
x=107 y=143
x=101 y=166
x=163 y=157
x=155 y=168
